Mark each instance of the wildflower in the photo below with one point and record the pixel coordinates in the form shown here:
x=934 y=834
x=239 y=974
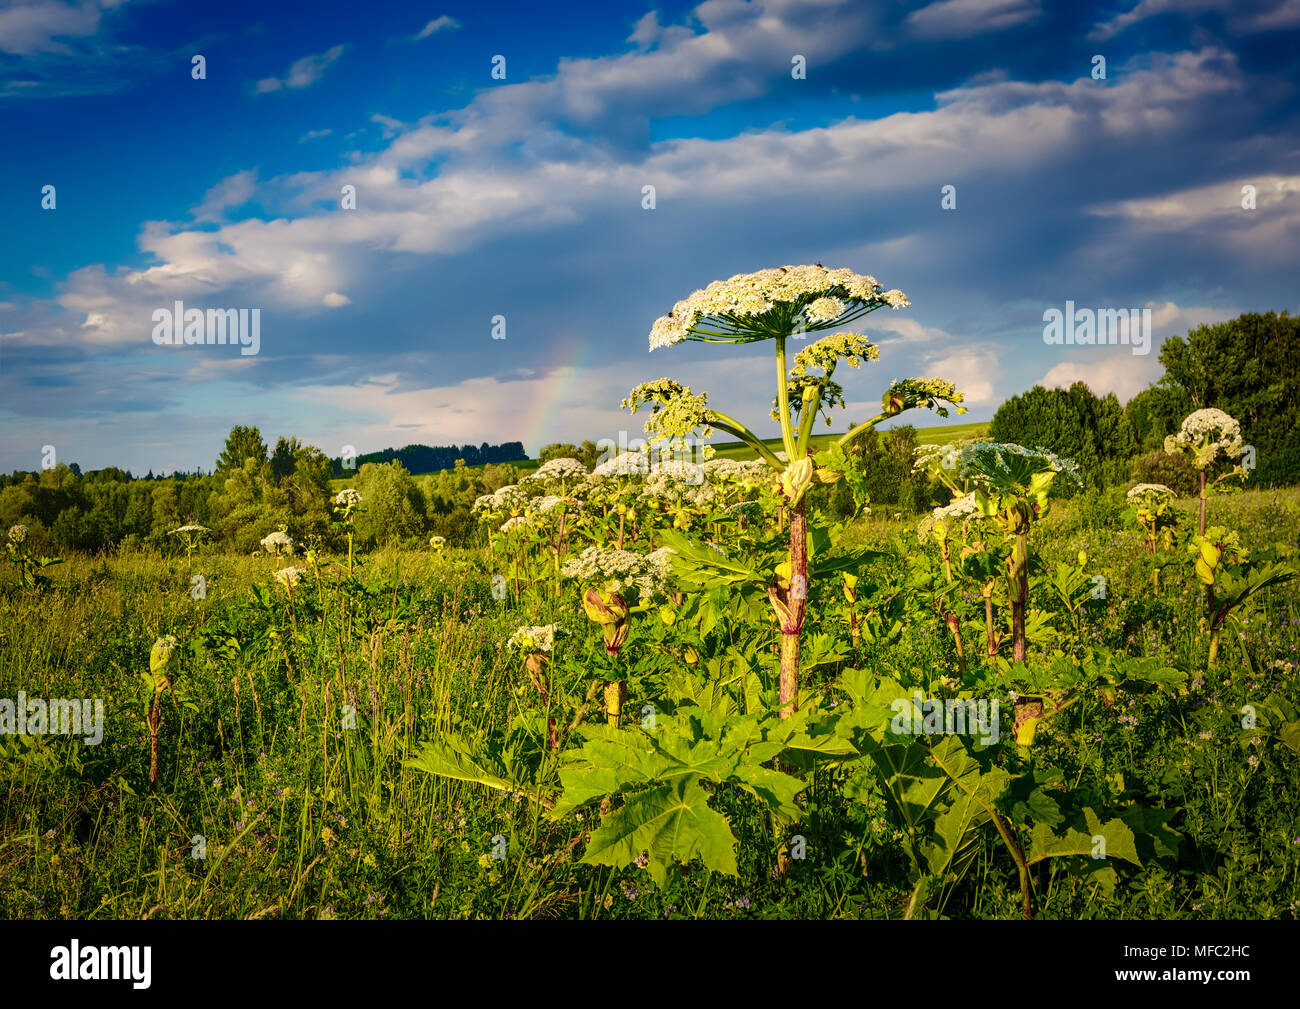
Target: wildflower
x=1254 y=760
x=1207 y=435
x=547 y=504
x=161 y=652
x=618 y=570
x=625 y=464
x=277 y=543
x=485 y=861
x=517 y=522
x=754 y=306
x=533 y=639
x=748 y=472
x=289 y=576
x=675 y=411
x=347 y=497
x=437 y=543
x=17 y=533
x=558 y=469
x=510 y=497
x=1157 y=490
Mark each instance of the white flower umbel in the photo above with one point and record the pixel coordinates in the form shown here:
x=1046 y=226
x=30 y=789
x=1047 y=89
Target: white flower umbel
x=533 y=639
x=17 y=533
x=288 y=576
x=625 y=464
x=746 y=472
x=277 y=543
x=559 y=469
x=347 y=496
x=618 y=570
x=1210 y=435
x=769 y=303
x=511 y=498
x=1152 y=490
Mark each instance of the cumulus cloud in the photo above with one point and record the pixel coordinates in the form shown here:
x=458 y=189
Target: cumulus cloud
x=1107 y=369
x=527 y=182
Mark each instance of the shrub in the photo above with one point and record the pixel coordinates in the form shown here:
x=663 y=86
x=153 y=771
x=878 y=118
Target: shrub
x=1174 y=471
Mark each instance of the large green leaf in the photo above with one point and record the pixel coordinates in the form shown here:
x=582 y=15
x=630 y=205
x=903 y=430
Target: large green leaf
x=1044 y=843
x=977 y=791
x=671 y=822
x=454 y=757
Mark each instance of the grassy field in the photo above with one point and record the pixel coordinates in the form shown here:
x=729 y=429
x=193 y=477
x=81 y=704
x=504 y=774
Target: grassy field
x=284 y=790
x=939 y=434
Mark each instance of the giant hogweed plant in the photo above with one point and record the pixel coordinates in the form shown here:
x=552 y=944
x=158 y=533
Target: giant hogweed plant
x=1211 y=440
x=1233 y=579
x=778 y=305
x=1012 y=487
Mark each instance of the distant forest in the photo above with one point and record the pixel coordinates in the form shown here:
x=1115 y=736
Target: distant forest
x=417 y=459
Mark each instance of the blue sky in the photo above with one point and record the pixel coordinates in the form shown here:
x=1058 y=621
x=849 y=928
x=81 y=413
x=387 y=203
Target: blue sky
x=522 y=197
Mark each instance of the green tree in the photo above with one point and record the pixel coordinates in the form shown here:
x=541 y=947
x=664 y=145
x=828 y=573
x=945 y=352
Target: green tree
x=1249 y=368
x=242 y=443
x=283 y=458
x=392 y=505
x=1074 y=423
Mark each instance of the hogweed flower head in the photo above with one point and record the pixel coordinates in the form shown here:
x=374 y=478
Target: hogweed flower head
x=161 y=652
x=277 y=543
x=17 y=533
x=559 y=469
x=931 y=393
x=1207 y=436
x=632 y=463
x=675 y=411
x=618 y=571
x=772 y=303
x=1149 y=490
x=288 y=577
x=511 y=498
x=527 y=640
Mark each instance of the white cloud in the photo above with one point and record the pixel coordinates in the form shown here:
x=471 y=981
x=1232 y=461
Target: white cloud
x=441 y=22
x=302 y=73
x=232 y=191
x=1117 y=369
x=959 y=19
x=1242 y=16
x=1216 y=212
x=335 y=300
x=31 y=26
